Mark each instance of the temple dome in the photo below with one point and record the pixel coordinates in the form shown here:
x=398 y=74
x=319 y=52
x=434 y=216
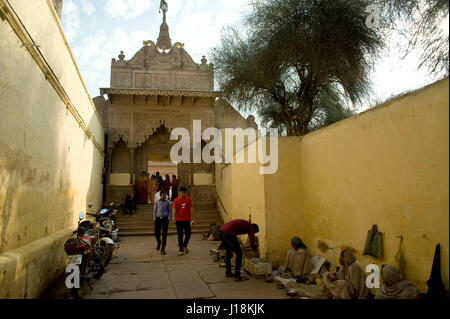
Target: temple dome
x=164 y=42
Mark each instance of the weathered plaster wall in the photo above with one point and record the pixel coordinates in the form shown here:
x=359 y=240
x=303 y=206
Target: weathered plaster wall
x=387 y=166
x=49 y=168
x=241 y=190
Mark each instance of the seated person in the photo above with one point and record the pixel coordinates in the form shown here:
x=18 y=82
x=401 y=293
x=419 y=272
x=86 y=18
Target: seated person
x=298 y=261
x=393 y=285
x=130 y=205
x=350 y=282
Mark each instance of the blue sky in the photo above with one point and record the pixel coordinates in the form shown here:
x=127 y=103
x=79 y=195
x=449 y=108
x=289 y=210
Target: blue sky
x=97 y=30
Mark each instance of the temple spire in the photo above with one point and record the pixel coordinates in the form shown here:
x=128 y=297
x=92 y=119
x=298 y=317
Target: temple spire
x=164 y=7
x=164 y=42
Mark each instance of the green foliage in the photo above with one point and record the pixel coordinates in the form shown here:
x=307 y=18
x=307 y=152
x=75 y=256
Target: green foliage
x=296 y=61
x=424 y=20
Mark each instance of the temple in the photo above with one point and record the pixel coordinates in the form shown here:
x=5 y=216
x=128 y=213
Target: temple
x=160 y=88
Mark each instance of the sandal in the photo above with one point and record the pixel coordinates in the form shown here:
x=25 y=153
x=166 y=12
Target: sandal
x=240 y=278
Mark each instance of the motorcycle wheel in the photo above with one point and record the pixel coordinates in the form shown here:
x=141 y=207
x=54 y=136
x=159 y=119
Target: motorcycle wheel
x=109 y=252
x=99 y=273
x=78 y=293
x=106 y=252
x=75 y=294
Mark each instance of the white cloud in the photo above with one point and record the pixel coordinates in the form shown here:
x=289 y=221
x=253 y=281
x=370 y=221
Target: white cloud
x=94 y=53
x=87 y=7
x=71 y=19
x=126 y=8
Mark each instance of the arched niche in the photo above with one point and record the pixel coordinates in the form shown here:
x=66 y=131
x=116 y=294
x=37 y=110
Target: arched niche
x=158 y=143
x=120 y=158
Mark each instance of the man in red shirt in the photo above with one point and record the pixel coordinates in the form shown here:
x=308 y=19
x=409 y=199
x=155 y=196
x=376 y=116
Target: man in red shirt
x=183 y=214
x=230 y=241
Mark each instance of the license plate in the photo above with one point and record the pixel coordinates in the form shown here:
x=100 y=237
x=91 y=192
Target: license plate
x=74 y=259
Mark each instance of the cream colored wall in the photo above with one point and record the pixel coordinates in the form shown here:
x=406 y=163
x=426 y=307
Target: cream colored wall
x=203 y=179
x=283 y=199
x=241 y=190
x=49 y=168
x=387 y=166
x=120 y=179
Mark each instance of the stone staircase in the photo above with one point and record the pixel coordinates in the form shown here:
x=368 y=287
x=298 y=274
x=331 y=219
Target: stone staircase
x=142 y=224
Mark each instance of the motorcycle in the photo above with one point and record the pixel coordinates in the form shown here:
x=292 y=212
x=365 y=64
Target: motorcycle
x=88 y=251
x=106 y=218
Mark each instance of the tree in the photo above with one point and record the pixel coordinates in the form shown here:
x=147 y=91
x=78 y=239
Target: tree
x=294 y=54
x=424 y=21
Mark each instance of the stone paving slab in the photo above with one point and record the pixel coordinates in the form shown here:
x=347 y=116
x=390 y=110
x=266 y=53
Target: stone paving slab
x=138 y=271
x=187 y=283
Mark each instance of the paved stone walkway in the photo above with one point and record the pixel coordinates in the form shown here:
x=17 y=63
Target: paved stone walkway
x=138 y=271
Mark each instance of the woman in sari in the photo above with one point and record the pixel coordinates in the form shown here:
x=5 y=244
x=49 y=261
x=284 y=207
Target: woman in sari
x=174 y=187
x=350 y=282
x=167 y=185
x=141 y=187
x=393 y=285
x=298 y=262
x=152 y=188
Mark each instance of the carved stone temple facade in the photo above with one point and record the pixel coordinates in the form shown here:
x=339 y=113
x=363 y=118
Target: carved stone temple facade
x=160 y=88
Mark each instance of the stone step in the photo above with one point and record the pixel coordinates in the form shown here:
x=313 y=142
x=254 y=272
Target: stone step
x=152 y=225
x=198 y=219
x=150 y=216
x=142 y=223
x=152 y=233
x=204 y=229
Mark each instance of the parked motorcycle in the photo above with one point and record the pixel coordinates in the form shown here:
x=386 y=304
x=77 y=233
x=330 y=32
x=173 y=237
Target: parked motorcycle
x=88 y=250
x=106 y=218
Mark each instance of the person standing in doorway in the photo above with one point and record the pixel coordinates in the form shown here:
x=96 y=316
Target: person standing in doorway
x=167 y=185
x=152 y=188
x=141 y=186
x=174 y=187
x=228 y=235
x=161 y=215
x=160 y=180
x=183 y=215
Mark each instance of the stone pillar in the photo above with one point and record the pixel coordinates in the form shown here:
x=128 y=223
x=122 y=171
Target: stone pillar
x=109 y=171
x=132 y=163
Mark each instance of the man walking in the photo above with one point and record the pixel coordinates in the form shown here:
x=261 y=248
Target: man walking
x=161 y=215
x=227 y=234
x=183 y=214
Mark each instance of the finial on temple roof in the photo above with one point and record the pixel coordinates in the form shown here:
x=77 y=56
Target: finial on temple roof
x=164 y=7
x=164 y=42
x=121 y=56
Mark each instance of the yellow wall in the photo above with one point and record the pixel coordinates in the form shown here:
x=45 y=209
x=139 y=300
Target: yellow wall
x=119 y=179
x=387 y=166
x=49 y=168
x=241 y=190
x=203 y=179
